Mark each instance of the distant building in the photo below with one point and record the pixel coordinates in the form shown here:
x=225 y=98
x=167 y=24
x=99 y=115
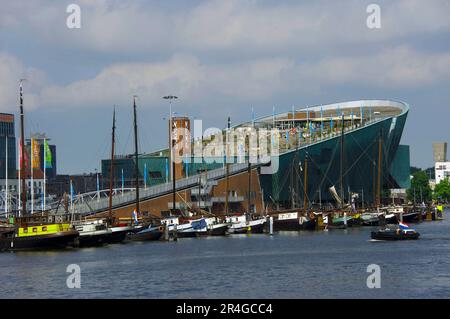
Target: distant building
x=440 y=152
x=7 y=135
x=442 y=171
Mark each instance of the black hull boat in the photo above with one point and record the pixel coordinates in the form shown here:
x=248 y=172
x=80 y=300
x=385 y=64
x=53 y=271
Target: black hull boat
x=411 y=217
x=395 y=234
x=118 y=234
x=147 y=234
x=241 y=226
x=9 y=241
x=291 y=222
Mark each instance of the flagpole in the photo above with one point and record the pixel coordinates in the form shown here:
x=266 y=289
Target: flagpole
x=32 y=176
x=6 y=176
x=20 y=180
x=45 y=173
x=122 y=182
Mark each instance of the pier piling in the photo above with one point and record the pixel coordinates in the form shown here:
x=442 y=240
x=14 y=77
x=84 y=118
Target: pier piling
x=271 y=225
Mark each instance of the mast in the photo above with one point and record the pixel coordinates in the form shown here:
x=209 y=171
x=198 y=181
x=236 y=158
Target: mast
x=380 y=150
x=341 y=168
x=227 y=168
x=136 y=168
x=292 y=182
x=45 y=176
x=22 y=146
x=305 y=187
x=111 y=168
x=6 y=174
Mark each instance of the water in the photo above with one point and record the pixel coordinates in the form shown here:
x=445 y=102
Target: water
x=288 y=265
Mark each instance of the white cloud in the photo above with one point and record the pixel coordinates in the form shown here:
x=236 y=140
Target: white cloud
x=252 y=80
x=11 y=71
x=118 y=27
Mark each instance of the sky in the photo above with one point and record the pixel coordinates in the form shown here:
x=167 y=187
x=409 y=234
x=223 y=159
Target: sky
x=221 y=58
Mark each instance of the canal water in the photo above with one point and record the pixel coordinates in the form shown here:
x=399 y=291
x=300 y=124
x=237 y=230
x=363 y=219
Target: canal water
x=329 y=264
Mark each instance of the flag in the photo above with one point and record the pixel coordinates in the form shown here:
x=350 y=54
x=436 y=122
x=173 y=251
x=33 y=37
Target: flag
x=403 y=226
x=253 y=117
x=123 y=180
x=26 y=158
x=71 y=191
x=145 y=174
x=134 y=215
x=48 y=155
x=36 y=154
x=167 y=170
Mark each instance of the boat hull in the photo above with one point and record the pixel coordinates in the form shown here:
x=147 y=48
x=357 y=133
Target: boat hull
x=59 y=240
x=294 y=224
x=393 y=235
x=148 y=234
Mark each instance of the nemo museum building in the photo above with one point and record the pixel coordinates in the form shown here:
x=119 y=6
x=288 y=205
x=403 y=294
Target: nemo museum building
x=353 y=146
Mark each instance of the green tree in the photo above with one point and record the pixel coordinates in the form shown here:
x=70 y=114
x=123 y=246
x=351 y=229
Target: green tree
x=420 y=184
x=442 y=190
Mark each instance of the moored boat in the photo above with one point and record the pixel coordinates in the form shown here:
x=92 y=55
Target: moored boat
x=293 y=222
x=36 y=237
x=147 y=233
x=92 y=233
x=240 y=225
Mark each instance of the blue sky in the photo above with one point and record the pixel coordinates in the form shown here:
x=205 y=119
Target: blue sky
x=221 y=58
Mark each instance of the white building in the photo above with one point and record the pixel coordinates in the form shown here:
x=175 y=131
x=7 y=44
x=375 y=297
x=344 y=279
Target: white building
x=442 y=171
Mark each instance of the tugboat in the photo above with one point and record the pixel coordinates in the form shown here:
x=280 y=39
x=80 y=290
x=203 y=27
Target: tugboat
x=240 y=225
x=403 y=232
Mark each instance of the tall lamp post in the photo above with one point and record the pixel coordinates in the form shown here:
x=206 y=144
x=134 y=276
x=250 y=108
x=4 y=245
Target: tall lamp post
x=171 y=139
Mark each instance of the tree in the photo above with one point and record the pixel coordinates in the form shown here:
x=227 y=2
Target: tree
x=442 y=190
x=420 y=185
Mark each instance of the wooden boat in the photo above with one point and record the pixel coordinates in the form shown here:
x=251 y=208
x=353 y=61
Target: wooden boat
x=148 y=233
x=240 y=225
x=36 y=237
x=293 y=222
x=92 y=233
x=395 y=234
x=119 y=233
x=210 y=226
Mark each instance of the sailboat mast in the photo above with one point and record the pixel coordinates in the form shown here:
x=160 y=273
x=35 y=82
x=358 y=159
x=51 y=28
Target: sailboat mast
x=111 y=168
x=227 y=166
x=305 y=187
x=6 y=173
x=380 y=150
x=136 y=172
x=341 y=168
x=22 y=146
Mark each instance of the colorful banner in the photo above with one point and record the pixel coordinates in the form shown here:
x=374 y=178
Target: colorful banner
x=36 y=153
x=48 y=155
x=26 y=158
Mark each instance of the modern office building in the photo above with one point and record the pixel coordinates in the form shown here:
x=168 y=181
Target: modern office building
x=7 y=137
x=440 y=152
